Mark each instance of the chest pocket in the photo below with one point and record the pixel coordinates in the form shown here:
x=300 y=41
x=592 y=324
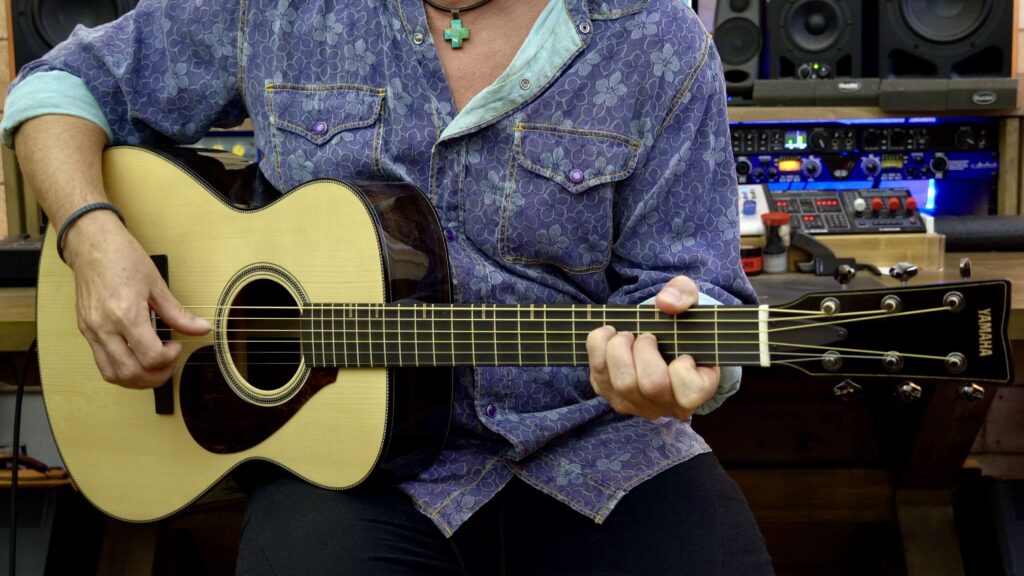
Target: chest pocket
x=558 y=208
x=325 y=130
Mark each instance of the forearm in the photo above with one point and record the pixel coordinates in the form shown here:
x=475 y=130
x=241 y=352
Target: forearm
x=60 y=157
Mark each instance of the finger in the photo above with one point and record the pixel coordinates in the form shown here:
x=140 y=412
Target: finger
x=103 y=363
x=151 y=352
x=692 y=385
x=622 y=374
x=653 y=381
x=174 y=314
x=127 y=370
x=677 y=295
x=597 y=342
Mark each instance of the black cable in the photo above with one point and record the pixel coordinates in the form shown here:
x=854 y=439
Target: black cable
x=15 y=453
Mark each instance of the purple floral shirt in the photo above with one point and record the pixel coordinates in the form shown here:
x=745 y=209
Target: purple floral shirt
x=595 y=169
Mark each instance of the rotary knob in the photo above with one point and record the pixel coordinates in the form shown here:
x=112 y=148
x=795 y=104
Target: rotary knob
x=811 y=168
x=872 y=167
x=742 y=167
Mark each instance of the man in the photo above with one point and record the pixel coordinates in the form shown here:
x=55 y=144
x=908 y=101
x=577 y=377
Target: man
x=575 y=151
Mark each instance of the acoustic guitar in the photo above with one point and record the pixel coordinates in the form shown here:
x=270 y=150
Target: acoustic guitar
x=335 y=334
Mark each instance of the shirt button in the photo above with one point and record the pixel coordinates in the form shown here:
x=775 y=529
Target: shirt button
x=417 y=38
x=320 y=127
x=449 y=234
x=585 y=27
x=524 y=83
x=576 y=176
x=492 y=410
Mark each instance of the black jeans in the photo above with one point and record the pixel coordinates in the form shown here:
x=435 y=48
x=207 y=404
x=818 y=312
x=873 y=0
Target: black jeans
x=690 y=519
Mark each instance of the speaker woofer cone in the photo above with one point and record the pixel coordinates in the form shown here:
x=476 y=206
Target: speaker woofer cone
x=54 y=20
x=815 y=25
x=945 y=21
x=738 y=41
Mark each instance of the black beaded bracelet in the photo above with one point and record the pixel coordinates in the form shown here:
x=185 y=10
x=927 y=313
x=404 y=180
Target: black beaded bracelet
x=78 y=214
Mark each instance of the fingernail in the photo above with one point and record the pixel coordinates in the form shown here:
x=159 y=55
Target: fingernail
x=204 y=323
x=673 y=295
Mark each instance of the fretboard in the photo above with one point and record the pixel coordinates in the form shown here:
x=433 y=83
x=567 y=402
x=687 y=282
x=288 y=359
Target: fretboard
x=367 y=335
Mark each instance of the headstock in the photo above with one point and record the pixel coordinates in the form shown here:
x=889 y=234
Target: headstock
x=955 y=331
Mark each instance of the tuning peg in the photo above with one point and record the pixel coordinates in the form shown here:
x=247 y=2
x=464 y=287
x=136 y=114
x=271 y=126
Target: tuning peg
x=971 y=392
x=903 y=271
x=965 y=268
x=847 y=390
x=908 y=392
x=844 y=274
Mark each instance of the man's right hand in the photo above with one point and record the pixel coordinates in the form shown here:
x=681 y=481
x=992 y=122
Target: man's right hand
x=117 y=285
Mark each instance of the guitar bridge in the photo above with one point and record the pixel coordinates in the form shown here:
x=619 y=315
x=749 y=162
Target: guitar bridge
x=163 y=396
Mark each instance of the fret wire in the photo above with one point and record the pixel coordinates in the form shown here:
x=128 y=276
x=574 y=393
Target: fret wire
x=544 y=311
x=716 y=334
x=433 y=336
x=383 y=330
x=519 y=332
x=494 y=316
x=334 y=339
x=574 y=361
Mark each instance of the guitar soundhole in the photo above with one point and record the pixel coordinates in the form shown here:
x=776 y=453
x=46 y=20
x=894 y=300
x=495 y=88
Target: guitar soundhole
x=263 y=334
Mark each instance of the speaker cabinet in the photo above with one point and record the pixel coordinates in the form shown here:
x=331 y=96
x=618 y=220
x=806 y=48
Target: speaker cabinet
x=36 y=26
x=946 y=38
x=738 y=39
x=811 y=39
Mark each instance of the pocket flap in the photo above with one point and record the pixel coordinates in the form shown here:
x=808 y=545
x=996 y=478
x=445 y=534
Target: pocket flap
x=576 y=159
x=319 y=111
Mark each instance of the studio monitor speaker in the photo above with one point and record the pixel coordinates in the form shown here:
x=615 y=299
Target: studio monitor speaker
x=945 y=38
x=812 y=39
x=738 y=39
x=36 y=26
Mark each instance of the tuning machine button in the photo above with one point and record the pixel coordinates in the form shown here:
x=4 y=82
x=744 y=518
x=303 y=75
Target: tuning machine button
x=844 y=274
x=847 y=390
x=832 y=361
x=971 y=392
x=903 y=271
x=965 y=268
x=908 y=392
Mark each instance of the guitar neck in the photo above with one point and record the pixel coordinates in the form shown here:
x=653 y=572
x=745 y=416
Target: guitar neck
x=366 y=335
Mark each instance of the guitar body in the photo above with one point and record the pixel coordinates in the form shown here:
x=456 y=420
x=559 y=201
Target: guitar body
x=323 y=242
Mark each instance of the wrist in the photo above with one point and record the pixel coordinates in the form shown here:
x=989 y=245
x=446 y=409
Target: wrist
x=86 y=236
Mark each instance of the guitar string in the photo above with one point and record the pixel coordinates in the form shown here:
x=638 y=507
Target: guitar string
x=511 y=307
x=374 y=330
x=669 y=343
x=803 y=357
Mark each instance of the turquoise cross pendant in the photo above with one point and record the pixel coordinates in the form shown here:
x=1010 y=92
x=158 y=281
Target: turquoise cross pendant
x=456 y=34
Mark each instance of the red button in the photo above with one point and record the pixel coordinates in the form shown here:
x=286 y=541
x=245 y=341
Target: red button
x=911 y=204
x=894 y=204
x=876 y=204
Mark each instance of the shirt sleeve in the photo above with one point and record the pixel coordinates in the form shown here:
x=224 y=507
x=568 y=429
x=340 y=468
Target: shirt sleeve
x=53 y=92
x=677 y=214
x=165 y=72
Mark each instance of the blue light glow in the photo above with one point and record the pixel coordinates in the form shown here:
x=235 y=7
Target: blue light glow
x=930 y=204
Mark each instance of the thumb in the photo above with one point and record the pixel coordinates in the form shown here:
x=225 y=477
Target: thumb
x=175 y=315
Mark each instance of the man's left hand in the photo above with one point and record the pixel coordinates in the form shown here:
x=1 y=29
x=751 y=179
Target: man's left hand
x=629 y=371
